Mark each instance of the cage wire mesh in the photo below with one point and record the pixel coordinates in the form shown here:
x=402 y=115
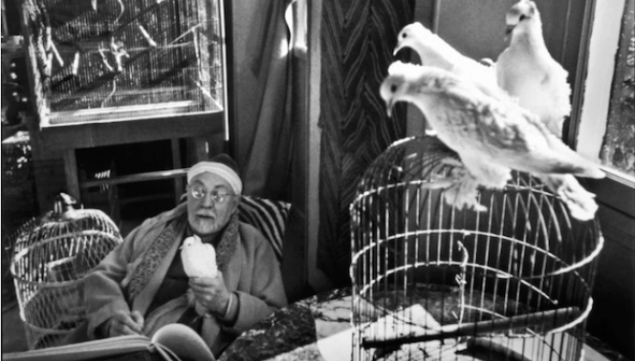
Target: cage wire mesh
x=434 y=282
x=51 y=256
x=127 y=58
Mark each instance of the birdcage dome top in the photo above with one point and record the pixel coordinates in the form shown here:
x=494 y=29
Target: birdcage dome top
x=67 y=241
x=64 y=221
x=405 y=160
x=413 y=172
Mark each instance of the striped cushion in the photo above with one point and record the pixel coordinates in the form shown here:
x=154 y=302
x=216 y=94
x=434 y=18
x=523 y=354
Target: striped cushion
x=267 y=216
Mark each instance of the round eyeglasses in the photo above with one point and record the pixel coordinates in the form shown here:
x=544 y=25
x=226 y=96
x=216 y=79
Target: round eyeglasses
x=198 y=192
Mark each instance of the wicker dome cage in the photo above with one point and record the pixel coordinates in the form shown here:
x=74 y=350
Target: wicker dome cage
x=51 y=256
x=430 y=280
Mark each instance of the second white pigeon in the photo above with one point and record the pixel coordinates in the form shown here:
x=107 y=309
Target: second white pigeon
x=527 y=71
x=199 y=259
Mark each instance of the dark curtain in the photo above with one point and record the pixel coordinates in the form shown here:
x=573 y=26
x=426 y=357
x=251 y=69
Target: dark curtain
x=270 y=116
x=265 y=81
x=357 y=40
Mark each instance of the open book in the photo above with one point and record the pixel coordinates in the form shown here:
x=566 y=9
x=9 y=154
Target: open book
x=172 y=342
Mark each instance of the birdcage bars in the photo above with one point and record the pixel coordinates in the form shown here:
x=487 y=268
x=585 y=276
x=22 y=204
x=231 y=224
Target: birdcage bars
x=125 y=59
x=51 y=256
x=523 y=260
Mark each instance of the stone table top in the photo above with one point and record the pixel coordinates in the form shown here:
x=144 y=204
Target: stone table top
x=319 y=329
x=290 y=333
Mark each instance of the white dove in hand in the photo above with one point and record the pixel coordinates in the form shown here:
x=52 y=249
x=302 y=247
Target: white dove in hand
x=199 y=259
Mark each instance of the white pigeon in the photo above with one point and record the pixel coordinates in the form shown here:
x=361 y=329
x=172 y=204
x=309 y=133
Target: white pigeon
x=434 y=51
x=490 y=136
x=199 y=259
x=527 y=71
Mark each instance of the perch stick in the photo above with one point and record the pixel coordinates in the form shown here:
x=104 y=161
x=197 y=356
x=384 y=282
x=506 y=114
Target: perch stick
x=185 y=33
x=75 y=64
x=196 y=50
x=163 y=49
x=49 y=63
x=123 y=8
x=105 y=61
x=50 y=46
x=133 y=20
x=114 y=88
x=59 y=59
x=480 y=328
x=207 y=93
x=48 y=34
x=197 y=55
x=149 y=40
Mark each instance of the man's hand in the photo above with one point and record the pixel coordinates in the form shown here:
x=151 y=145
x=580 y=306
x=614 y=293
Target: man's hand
x=211 y=293
x=124 y=323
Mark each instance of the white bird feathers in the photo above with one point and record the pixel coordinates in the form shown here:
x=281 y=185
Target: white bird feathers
x=434 y=51
x=199 y=259
x=527 y=71
x=506 y=116
x=491 y=136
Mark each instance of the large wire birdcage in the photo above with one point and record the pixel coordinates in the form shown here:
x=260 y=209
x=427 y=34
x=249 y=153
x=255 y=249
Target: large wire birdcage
x=432 y=281
x=125 y=59
x=51 y=256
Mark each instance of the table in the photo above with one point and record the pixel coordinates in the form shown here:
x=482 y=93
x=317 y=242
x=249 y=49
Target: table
x=290 y=333
x=317 y=328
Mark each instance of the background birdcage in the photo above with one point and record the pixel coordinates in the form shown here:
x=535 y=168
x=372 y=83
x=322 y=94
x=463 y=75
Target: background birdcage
x=433 y=281
x=51 y=256
x=124 y=59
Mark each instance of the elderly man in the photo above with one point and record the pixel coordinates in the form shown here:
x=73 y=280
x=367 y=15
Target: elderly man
x=142 y=285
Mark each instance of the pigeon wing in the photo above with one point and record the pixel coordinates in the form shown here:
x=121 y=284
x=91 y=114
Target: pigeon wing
x=506 y=131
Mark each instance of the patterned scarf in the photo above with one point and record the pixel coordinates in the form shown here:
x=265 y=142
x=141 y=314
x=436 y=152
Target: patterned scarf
x=156 y=253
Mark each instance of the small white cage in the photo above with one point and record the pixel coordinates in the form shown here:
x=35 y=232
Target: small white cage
x=51 y=256
x=433 y=282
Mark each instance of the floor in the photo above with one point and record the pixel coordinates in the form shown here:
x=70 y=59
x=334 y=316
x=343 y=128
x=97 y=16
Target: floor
x=13 y=336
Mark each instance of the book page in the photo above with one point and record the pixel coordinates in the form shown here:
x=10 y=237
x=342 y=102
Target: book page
x=183 y=341
x=85 y=350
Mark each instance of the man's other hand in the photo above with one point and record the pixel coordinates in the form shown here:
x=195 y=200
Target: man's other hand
x=211 y=293
x=124 y=323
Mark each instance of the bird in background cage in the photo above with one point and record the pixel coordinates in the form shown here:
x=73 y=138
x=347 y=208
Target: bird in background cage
x=491 y=136
x=527 y=71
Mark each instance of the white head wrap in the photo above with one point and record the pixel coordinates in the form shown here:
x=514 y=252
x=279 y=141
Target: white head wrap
x=219 y=169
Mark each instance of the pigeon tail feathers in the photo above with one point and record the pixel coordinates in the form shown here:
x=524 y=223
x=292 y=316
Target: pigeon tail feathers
x=579 y=201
